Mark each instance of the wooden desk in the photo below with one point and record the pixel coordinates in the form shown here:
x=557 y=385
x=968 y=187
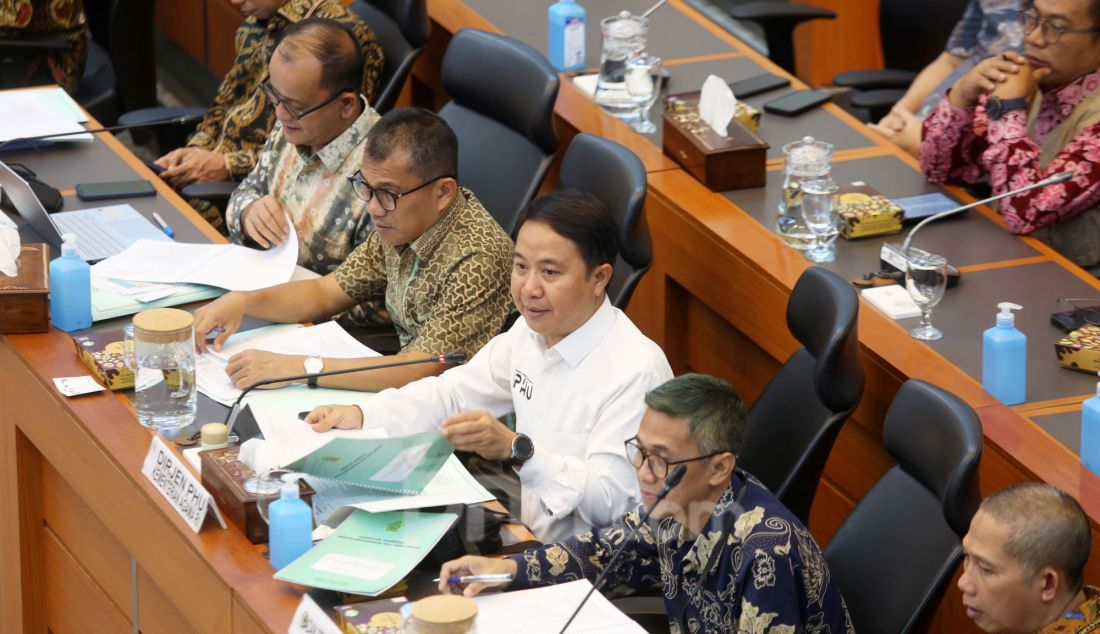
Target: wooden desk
x=716 y=297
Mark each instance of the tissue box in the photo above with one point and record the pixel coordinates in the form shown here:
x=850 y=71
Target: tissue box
x=24 y=299
x=1080 y=350
x=734 y=161
x=864 y=212
x=102 y=352
x=224 y=475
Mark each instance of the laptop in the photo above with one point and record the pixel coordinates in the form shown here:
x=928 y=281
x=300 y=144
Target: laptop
x=100 y=233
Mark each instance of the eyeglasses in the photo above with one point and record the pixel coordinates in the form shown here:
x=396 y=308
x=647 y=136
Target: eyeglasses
x=386 y=198
x=658 y=466
x=1051 y=32
x=278 y=100
x=1081 y=311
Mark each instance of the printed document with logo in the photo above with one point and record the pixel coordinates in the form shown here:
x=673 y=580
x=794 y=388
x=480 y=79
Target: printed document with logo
x=405 y=464
x=370 y=552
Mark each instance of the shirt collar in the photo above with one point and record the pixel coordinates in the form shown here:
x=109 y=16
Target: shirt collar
x=426 y=244
x=576 y=346
x=334 y=153
x=298 y=10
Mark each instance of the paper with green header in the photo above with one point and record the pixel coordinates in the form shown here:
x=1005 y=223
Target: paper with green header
x=396 y=465
x=370 y=552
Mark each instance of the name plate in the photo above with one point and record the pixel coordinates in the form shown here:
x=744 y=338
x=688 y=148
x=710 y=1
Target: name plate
x=178 y=485
x=309 y=618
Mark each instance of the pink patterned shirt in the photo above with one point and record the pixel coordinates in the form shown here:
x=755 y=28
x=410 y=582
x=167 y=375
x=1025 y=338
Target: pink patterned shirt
x=961 y=144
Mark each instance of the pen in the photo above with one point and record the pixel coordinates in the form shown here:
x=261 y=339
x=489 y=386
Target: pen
x=454 y=581
x=164 y=225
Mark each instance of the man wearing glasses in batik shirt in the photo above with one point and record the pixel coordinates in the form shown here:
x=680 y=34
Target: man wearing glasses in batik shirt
x=726 y=553
x=435 y=255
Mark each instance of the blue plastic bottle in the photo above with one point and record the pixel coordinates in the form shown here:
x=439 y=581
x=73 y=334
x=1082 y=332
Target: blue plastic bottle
x=70 y=288
x=291 y=530
x=1004 y=358
x=1090 y=432
x=565 y=47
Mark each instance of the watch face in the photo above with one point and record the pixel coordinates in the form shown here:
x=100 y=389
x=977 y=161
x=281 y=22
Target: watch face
x=522 y=447
x=994 y=108
x=314 y=365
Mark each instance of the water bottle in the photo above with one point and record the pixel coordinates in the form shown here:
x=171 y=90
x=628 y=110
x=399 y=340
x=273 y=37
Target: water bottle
x=566 y=35
x=1090 y=432
x=291 y=530
x=70 y=288
x=164 y=368
x=1004 y=358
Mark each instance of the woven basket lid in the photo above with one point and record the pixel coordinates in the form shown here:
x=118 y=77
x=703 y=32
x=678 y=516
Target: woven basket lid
x=164 y=325
x=445 y=609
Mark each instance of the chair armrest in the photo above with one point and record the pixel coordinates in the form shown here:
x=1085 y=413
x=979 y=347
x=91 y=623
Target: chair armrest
x=873 y=79
x=872 y=99
x=217 y=193
x=765 y=11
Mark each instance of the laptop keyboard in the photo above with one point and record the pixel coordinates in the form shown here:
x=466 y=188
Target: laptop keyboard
x=93 y=242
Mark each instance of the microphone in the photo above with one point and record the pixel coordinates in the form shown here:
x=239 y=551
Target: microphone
x=181 y=120
x=446 y=357
x=672 y=480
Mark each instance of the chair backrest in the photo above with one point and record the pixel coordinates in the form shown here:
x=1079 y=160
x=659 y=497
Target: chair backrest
x=910 y=39
x=905 y=534
x=617 y=177
x=502 y=104
x=128 y=42
x=402 y=29
x=794 y=422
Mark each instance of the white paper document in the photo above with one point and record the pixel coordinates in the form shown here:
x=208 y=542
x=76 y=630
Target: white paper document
x=547 y=609
x=323 y=340
x=286 y=438
x=33 y=113
x=227 y=266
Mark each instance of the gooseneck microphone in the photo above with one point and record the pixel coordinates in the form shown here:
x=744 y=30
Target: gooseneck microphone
x=672 y=480
x=181 y=120
x=446 y=357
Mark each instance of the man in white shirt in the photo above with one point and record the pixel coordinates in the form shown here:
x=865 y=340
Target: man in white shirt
x=574 y=369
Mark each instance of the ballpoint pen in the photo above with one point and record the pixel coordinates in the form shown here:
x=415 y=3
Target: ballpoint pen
x=164 y=225
x=455 y=580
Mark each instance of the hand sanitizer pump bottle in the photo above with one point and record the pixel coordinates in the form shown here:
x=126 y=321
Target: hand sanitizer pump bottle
x=291 y=530
x=1090 y=432
x=1004 y=358
x=565 y=46
x=70 y=288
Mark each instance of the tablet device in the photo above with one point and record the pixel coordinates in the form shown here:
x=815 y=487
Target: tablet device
x=759 y=84
x=795 y=103
x=919 y=207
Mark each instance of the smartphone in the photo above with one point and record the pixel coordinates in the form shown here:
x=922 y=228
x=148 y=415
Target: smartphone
x=925 y=205
x=756 y=85
x=795 y=103
x=120 y=189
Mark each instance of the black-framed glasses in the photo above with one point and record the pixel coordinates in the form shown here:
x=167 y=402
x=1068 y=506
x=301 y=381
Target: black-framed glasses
x=1082 y=311
x=278 y=100
x=386 y=198
x=1050 y=31
x=658 y=466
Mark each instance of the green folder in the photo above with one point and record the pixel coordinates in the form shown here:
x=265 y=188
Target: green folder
x=370 y=552
x=402 y=465
x=108 y=305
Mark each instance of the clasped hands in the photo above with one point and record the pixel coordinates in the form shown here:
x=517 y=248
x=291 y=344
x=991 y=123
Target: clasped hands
x=1007 y=76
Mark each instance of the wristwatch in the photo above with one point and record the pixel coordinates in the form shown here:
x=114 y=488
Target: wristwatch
x=522 y=450
x=314 y=365
x=996 y=108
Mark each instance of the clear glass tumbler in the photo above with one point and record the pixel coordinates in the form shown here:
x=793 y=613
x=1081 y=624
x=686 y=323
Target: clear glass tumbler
x=819 y=201
x=643 y=83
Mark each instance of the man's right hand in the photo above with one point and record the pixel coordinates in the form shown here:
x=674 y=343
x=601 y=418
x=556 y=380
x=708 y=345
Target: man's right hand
x=984 y=78
x=223 y=314
x=470 y=565
x=326 y=417
x=265 y=222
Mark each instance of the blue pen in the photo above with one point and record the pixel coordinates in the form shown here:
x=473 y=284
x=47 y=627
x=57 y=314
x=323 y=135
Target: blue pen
x=164 y=225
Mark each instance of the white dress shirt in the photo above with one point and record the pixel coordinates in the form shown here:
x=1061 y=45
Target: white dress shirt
x=577 y=401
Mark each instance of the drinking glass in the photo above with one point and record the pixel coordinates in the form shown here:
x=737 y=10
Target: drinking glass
x=819 y=198
x=643 y=82
x=926 y=279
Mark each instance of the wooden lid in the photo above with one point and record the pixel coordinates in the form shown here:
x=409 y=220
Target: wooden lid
x=163 y=325
x=445 y=609
x=215 y=434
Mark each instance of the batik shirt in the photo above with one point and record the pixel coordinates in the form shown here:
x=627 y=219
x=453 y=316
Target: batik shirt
x=314 y=191
x=960 y=145
x=446 y=290
x=768 y=578
x=1085 y=619
x=238 y=124
x=987 y=28
x=58 y=19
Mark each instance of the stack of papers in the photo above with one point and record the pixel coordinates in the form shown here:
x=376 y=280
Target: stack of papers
x=33 y=113
x=539 y=610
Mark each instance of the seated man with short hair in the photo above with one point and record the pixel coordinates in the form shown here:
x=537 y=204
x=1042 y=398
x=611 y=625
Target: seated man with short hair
x=573 y=368
x=436 y=256
x=728 y=556
x=1026 y=552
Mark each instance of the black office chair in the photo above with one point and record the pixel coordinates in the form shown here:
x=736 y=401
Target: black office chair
x=910 y=41
x=905 y=534
x=795 y=421
x=502 y=106
x=402 y=28
x=778 y=19
x=617 y=177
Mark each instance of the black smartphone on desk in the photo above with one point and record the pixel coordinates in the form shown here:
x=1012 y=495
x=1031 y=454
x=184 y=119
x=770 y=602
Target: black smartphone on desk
x=120 y=189
x=757 y=85
x=795 y=103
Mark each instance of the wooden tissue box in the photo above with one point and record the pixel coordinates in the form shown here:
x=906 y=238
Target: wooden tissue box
x=25 y=298
x=734 y=161
x=1080 y=350
x=224 y=475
